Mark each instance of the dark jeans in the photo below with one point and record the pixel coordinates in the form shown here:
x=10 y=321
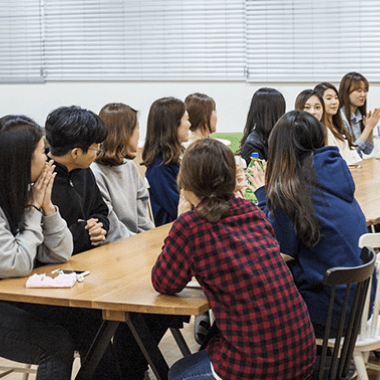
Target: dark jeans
x=82 y=325
x=194 y=367
x=123 y=359
x=26 y=338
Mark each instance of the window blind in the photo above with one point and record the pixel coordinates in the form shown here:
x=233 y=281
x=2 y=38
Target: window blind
x=312 y=40
x=144 y=40
x=21 y=41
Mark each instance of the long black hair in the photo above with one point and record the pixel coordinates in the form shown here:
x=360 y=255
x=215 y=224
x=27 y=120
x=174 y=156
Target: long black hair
x=290 y=175
x=267 y=106
x=19 y=137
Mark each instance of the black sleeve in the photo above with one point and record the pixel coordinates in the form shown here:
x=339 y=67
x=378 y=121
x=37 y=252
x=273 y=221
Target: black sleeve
x=253 y=146
x=95 y=208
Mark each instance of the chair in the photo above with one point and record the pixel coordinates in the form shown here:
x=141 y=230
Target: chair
x=369 y=336
x=338 y=365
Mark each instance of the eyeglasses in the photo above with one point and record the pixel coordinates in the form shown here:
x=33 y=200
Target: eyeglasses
x=97 y=149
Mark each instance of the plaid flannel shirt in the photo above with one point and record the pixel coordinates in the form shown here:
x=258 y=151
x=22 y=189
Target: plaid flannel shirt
x=265 y=328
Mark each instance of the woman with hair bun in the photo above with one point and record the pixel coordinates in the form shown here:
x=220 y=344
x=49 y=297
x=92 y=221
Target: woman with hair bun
x=229 y=246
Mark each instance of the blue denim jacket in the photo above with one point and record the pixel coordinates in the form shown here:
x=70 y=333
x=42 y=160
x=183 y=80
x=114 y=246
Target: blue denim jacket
x=355 y=130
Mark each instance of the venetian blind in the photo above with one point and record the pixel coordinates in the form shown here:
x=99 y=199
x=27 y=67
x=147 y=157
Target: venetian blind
x=21 y=41
x=297 y=40
x=144 y=40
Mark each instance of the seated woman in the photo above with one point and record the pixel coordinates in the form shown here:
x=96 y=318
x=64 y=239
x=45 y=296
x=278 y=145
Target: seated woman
x=310 y=101
x=229 y=246
x=337 y=133
x=168 y=127
x=119 y=181
x=353 y=91
x=202 y=115
x=267 y=106
x=30 y=228
x=307 y=194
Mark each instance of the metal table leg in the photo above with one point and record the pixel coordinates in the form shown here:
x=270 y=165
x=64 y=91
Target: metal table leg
x=148 y=346
x=97 y=349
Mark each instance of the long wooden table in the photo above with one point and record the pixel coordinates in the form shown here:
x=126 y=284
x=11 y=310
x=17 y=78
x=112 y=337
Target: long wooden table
x=367 y=183
x=120 y=285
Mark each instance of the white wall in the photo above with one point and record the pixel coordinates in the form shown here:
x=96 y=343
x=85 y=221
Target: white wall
x=232 y=98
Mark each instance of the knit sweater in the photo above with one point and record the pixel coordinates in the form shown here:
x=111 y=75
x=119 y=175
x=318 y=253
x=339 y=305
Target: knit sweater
x=126 y=196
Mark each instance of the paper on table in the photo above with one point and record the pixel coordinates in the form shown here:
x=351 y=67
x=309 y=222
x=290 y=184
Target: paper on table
x=51 y=280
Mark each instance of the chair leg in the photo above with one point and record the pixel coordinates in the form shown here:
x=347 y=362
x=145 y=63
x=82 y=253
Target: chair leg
x=360 y=366
x=180 y=340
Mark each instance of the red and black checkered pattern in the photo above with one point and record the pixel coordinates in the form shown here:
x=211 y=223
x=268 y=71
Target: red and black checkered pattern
x=265 y=327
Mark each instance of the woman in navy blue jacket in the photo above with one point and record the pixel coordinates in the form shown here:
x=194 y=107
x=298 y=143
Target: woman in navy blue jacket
x=309 y=200
x=168 y=127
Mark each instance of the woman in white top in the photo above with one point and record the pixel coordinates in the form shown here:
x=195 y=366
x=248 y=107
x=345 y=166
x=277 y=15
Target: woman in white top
x=119 y=181
x=31 y=229
x=337 y=133
x=353 y=91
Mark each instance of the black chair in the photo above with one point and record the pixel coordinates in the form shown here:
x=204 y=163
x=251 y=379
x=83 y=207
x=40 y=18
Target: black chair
x=336 y=364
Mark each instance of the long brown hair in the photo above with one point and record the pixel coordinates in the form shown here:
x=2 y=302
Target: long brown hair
x=290 y=177
x=338 y=129
x=164 y=118
x=349 y=83
x=200 y=107
x=208 y=169
x=120 y=121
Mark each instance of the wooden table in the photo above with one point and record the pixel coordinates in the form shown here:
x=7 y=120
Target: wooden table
x=120 y=285
x=367 y=182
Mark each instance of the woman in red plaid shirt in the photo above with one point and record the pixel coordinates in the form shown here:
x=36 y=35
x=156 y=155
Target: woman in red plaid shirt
x=229 y=246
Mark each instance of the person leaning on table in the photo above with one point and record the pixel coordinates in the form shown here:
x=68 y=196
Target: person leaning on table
x=229 y=246
x=30 y=228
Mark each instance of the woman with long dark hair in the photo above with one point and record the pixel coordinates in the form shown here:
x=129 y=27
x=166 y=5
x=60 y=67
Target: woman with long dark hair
x=307 y=193
x=31 y=229
x=168 y=127
x=267 y=106
x=337 y=133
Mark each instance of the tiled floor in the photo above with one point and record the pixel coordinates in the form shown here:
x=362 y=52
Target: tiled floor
x=168 y=347
x=170 y=352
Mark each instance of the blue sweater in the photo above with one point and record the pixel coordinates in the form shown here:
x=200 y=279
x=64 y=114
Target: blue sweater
x=342 y=223
x=164 y=196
